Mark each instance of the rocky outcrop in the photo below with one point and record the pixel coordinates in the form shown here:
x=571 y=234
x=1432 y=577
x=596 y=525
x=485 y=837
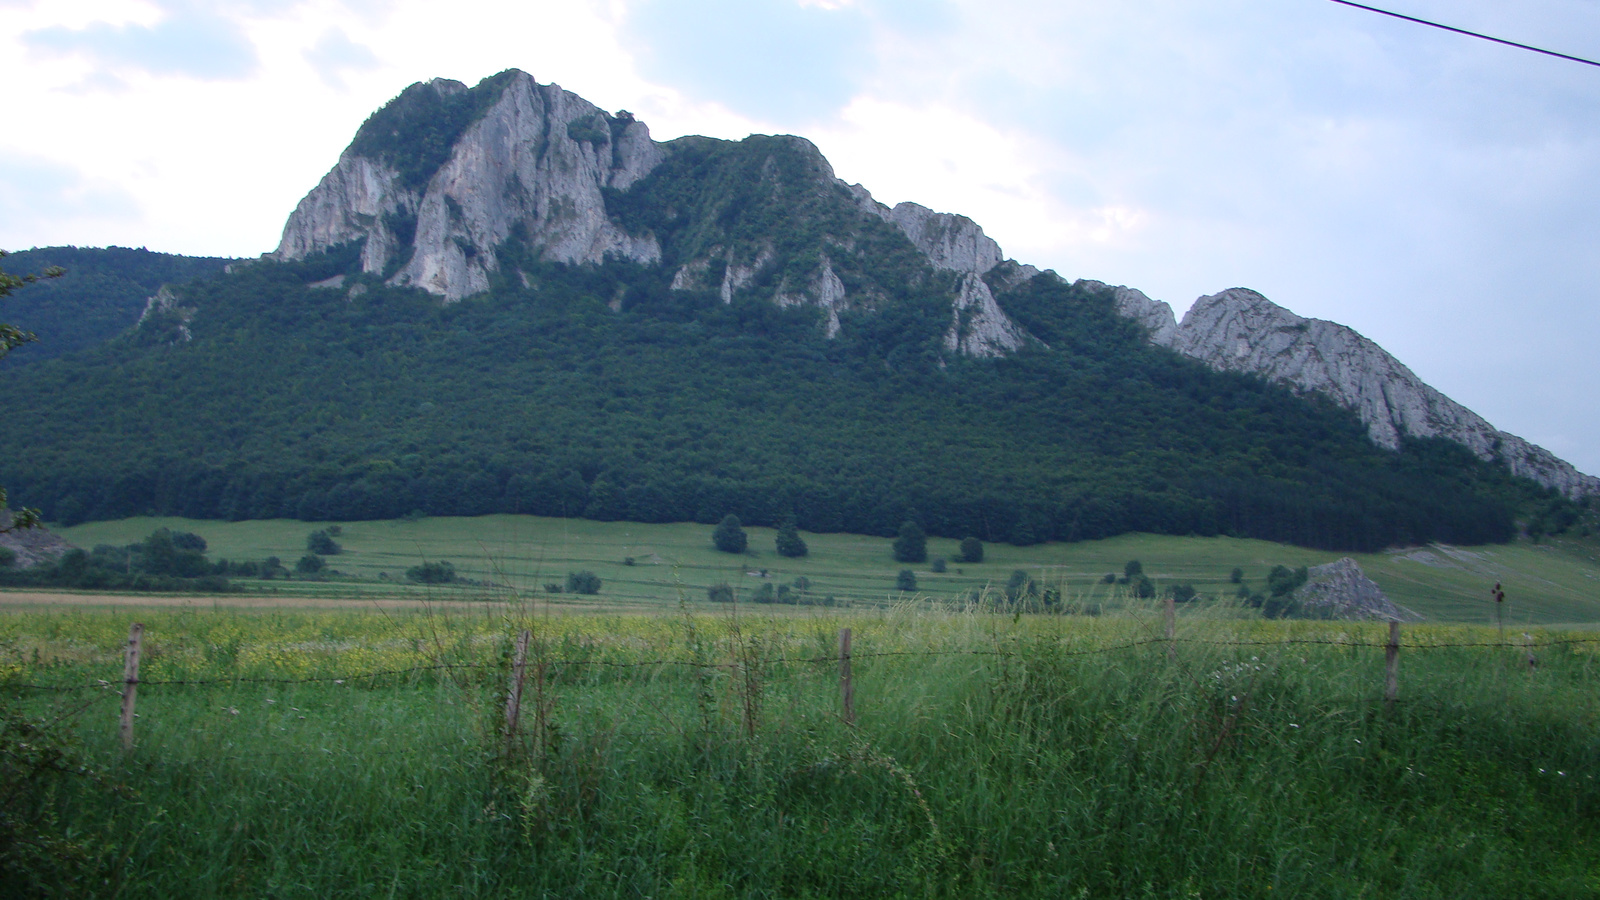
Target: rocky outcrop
x=1155 y=315
x=165 y=319
x=1340 y=590
x=534 y=164
x=30 y=546
x=951 y=242
x=1238 y=330
x=978 y=327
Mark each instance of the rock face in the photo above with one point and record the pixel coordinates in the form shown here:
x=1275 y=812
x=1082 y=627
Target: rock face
x=1340 y=590
x=535 y=162
x=32 y=546
x=532 y=163
x=1238 y=330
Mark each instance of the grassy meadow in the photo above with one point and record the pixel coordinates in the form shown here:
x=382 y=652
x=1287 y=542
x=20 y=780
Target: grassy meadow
x=701 y=752
x=1555 y=582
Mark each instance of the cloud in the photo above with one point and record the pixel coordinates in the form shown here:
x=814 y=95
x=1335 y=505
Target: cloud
x=773 y=60
x=335 y=53
x=188 y=42
x=43 y=202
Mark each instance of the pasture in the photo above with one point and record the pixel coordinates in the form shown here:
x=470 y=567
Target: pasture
x=1556 y=582
x=702 y=752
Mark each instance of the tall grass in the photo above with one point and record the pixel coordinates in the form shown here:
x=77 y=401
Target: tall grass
x=690 y=755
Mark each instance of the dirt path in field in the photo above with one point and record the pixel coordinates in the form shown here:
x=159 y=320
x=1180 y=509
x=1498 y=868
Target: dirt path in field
x=20 y=600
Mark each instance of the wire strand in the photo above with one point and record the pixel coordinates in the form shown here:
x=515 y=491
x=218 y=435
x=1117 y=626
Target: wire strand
x=1485 y=37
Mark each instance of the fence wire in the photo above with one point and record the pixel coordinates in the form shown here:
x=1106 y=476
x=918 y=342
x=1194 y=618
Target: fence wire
x=102 y=684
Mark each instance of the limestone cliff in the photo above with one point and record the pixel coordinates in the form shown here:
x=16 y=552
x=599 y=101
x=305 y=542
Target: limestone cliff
x=534 y=163
x=437 y=182
x=1239 y=330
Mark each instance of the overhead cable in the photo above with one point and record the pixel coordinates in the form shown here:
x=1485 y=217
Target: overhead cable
x=1385 y=12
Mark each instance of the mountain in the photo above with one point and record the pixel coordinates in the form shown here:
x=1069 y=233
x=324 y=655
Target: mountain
x=1239 y=330
x=533 y=171
x=503 y=299
x=102 y=294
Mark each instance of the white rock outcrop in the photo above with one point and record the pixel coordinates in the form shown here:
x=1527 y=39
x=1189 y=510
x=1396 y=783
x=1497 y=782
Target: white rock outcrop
x=537 y=160
x=949 y=241
x=978 y=326
x=1340 y=590
x=1239 y=330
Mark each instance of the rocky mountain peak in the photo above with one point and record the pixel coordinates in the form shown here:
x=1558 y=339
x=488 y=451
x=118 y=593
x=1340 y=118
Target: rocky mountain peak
x=1239 y=330
x=436 y=182
x=521 y=158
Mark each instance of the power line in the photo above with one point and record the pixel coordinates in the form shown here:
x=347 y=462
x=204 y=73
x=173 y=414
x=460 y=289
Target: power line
x=1385 y=12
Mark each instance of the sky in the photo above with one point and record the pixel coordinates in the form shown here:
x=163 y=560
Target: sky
x=1437 y=193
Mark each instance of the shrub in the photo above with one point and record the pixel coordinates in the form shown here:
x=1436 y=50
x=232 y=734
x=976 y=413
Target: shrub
x=627 y=560
x=1020 y=585
x=432 y=573
x=906 y=580
x=729 y=536
x=1236 y=576
x=720 y=593
x=310 y=564
x=938 y=565
x=971 y=550
x=1110 y=578
x=322 y=543
x=583 y=583
x=789 y=542
x=1144 y=588
x=1282 y=581
x=552 y=588
x=8 y=558
x=802 y=584
x=912 y=545
x=1132 y=570
x=1183 y=593
x=187 y=540
x=763 y=594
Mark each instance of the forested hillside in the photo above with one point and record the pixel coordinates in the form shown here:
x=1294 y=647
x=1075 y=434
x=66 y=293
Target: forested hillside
x=101 y=295
x=597 y=391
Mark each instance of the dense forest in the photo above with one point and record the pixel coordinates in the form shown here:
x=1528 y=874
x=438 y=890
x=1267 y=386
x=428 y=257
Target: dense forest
x=101 y=295
x=597 y=391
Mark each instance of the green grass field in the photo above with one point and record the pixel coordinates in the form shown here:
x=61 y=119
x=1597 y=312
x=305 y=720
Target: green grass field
x=1556 y=582
x=700 y=753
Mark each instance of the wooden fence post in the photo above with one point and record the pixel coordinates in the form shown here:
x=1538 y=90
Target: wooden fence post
x=1391 y=655
x=847 y=687
x=519 y=671
x=130 y=683
x=1172 y=628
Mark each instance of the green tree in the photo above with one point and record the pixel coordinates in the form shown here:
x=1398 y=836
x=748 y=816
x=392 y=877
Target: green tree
x=12 y=337
x=310 y=564
x=1019 y=586
x=906 y=580
x=431 y=573
x=321 y=542
x=1236 y=576
x=912 y=545
x=1144 y=588
x=971 y=550
x=729 y=536
x=583 y=583
x=1132 y=570
x=721 y=592
x=789 y=542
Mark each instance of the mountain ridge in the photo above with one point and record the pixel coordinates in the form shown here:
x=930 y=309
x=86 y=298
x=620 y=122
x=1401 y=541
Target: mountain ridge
x=542 y=162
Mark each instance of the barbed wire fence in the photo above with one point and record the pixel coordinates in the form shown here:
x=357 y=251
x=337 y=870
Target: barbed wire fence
x=548 y=669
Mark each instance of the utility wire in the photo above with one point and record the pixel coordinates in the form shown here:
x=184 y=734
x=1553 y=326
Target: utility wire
x=1385 y=12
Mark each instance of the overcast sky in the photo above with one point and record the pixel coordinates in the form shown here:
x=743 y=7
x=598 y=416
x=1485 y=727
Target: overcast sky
x=1435 y=192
